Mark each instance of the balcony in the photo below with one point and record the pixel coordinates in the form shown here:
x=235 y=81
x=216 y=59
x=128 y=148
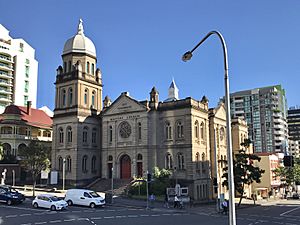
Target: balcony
x=6 y=59
x=6 y=100
x=6 y=75
x=5 y=83
x=6 y=67
x=17 y=136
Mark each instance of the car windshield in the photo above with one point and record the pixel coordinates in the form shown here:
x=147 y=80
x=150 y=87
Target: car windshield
x=54 y=198
x=94 y=194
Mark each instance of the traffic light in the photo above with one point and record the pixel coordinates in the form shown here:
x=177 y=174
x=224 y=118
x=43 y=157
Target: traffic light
x=215 y=181
x=288 y=161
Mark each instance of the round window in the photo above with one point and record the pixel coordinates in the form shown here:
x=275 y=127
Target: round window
x=125 y=129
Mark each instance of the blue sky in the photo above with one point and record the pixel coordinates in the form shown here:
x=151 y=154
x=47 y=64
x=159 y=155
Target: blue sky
x=140 y=43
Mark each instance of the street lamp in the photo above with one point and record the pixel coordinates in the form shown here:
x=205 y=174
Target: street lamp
x=64 y=173
x=187 y=56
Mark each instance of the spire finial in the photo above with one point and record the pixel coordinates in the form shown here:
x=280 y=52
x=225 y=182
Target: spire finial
x=80 y=27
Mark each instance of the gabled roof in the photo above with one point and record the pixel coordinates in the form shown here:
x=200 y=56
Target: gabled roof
x=125 y=95
x=37 y=118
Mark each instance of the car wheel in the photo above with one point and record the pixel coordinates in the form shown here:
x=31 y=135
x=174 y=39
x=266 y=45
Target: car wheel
x=52 y=208
x=35 y=205
x=70 y=202
x=9 y=202
x=92 y=205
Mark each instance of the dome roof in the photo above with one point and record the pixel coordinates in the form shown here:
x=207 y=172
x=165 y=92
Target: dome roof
x=80 y=43
x=12 y=109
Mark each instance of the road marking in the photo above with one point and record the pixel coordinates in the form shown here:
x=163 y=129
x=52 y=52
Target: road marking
x=69 y=220
x=143 y=215
x=37 y=223
x=55 y=221
x=108 y=217
x=26 y=224
x=120 y=216
x=10 y=216
x=278 y=222
x=83 y=219
x=111 y=210
x=166 y=214
x=96 y=218
x=154 y=215
x=25 y=214
x=282 y=214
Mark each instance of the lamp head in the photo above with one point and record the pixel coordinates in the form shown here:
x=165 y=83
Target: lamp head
x=187 y=56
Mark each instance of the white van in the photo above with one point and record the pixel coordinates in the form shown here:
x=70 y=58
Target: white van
x=84 y=197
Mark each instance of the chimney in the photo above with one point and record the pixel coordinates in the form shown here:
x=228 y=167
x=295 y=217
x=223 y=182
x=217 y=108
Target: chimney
x=29 y=107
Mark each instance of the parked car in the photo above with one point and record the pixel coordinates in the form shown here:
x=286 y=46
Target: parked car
x=84 y=197
x=10 y=196
x=49 y=201
x=295 y=196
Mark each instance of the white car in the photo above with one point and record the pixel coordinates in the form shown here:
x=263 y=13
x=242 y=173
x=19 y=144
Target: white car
x=84 y=197
x=49 y=201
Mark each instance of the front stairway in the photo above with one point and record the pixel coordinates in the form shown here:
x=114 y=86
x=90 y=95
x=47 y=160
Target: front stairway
x=104 y=185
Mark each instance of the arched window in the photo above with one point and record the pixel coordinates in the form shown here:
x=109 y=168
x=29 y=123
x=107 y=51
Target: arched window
x=69 y=133
x=139 y=157
x=85 y=135
x=84 y=164
x=197 y=161
x=202 y=130
x=61 y=135
x=196 y=129
x=94 y=136
x=180 y=159
x=222 y=134
x=168 y=130
x=203 y=162
x=179 y=128
x=110 y=158
x=168 y=161
x=70 y=96
x=222 y=161
x=93 y=69
x=70 y=66
x=94 y=164
x=60 y=163
x=139 y=131
x=110 y=133
x=64 y=97
x=88 y=67
x=93 y=99
x=85 y=98
x=69 y=164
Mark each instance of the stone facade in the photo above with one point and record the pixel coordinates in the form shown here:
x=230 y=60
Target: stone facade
x=76 y=125
x=172 y=135
x=127 y=138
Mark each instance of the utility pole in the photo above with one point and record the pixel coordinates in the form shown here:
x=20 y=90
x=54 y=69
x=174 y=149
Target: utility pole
x=112 y=184
x=147 y=188
x=64 y=174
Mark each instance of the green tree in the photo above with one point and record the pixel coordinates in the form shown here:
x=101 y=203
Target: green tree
x=35 y=158
x=289 y=175
x=160 y=181
x=245 y=173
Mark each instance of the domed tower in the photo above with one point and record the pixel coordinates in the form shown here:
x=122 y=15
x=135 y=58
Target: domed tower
x=78 y=101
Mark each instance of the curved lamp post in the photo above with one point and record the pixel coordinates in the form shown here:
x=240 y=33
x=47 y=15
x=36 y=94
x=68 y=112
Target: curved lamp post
x=187 y=56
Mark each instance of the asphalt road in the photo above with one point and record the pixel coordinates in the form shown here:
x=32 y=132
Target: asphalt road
x=24 y=214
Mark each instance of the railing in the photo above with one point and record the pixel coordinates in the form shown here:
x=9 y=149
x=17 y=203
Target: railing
x=6 y=58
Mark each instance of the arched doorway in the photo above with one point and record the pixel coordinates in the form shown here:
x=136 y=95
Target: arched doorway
x=125 y=167
x=7 y=151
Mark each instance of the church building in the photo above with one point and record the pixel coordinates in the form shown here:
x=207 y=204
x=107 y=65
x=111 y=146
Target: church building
x=128 y=135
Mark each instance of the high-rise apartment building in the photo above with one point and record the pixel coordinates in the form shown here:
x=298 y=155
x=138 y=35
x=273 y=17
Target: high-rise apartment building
x=18 y=71
x=294 y=123
x=265 y=110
